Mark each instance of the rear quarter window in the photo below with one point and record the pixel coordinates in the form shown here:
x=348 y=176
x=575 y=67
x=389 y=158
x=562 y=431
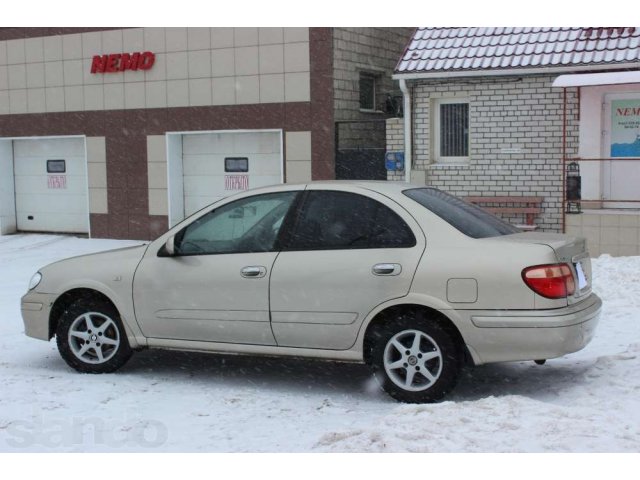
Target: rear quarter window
x=468 y=219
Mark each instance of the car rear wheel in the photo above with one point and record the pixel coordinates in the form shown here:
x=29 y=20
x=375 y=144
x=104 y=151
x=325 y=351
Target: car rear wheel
x=416 y=360
x=91 y=338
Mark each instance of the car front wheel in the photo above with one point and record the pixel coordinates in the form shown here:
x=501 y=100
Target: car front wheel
x=415 y=360
x=91 y=338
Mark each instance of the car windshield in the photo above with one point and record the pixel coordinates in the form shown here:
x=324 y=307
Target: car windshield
x=469 y=219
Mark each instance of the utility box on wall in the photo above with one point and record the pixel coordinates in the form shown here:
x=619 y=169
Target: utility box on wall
x=394 y=161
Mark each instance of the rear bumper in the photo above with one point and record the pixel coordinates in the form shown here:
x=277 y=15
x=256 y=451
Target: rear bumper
x=531 y=335
x=35 y=308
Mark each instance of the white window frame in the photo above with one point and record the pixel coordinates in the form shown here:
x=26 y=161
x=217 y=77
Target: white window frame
x=616 y=170
x=435 y=132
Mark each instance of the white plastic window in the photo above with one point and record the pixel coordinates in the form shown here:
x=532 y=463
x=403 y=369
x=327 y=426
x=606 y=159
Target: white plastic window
x=451 y=130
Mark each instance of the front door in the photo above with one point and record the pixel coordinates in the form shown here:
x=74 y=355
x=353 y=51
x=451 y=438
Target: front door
x=216 y=287
x=347 y=253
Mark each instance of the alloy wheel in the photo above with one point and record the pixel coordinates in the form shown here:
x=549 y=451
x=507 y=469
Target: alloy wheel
x=94 y=338
x=412 y=360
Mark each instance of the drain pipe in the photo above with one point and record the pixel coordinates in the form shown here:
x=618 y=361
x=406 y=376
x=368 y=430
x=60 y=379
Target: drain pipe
x=406 y=97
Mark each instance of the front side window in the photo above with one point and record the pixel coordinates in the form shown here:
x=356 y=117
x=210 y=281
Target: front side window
x=247 y=225
x=465 y=217
x=451 y=133
x=330 y=220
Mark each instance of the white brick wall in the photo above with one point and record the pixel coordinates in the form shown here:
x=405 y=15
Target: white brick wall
x=395 y=143
x=523 y=114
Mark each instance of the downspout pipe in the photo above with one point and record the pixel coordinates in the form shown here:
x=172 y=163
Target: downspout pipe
x=406 y=96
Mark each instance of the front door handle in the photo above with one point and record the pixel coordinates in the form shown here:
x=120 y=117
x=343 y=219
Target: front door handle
x=253 y=272
x=387 y=269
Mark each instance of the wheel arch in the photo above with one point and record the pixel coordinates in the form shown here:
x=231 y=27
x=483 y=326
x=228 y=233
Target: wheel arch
x=387 y=314
x=65 y=299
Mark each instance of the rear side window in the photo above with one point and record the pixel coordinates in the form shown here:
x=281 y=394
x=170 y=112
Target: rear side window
x=330 y=220
x=469 y=219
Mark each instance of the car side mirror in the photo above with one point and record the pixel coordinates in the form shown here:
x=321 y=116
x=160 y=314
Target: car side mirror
x=169 y=248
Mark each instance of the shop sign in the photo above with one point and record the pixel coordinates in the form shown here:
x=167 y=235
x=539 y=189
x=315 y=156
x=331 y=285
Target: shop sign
x=57 y=181
x=236 y=182
x=625 y=128
x=120 y=62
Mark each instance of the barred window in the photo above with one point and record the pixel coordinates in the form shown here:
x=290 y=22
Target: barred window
x=451 y=130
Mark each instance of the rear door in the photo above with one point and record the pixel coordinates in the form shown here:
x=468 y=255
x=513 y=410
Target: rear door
x=345 y=254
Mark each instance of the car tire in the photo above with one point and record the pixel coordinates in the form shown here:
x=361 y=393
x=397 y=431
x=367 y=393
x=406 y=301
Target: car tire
x=415 y=359
x=91 y=337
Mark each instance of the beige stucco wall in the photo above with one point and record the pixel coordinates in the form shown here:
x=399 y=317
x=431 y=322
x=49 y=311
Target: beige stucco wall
x=298 y=157
x=193 y=67
x=607 y=231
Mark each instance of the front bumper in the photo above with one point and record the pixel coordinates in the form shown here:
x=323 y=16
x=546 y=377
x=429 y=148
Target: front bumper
x=531 y=335
x=35 y=308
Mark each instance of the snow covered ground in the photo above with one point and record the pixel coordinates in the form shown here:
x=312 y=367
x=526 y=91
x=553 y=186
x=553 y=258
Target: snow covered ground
x=167 y=401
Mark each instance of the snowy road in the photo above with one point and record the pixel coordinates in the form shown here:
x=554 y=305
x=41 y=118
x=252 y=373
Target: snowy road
x=165 y=401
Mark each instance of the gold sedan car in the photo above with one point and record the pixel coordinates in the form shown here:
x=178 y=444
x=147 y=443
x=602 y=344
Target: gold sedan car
x=411 y=280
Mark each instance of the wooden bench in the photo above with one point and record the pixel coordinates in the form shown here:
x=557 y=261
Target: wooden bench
x=530 y=207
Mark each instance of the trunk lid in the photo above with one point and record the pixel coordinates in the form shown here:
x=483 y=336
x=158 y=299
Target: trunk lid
x=568 y=249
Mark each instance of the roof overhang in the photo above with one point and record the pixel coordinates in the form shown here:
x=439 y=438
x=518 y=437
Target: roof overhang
x=595 y=79
x=511 y=71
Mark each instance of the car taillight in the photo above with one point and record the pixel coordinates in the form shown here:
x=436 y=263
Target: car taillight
x=550 y=281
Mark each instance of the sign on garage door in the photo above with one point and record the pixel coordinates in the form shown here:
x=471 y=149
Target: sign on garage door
x=216 y=165
x=51 y=185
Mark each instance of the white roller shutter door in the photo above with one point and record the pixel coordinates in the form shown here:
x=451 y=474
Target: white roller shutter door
x=49 y=199
x=203 y=157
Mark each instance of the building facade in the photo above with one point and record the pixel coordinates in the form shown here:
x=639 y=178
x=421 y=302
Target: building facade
x=121 y=133
x=489 y=116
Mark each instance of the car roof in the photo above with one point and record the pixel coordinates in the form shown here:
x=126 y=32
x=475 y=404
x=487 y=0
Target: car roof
x=381 y=186
x=384 y=187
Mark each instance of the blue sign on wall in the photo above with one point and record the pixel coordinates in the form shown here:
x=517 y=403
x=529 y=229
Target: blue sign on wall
x=394 y=161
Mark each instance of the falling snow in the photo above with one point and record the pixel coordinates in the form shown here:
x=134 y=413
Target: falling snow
x=179 y=401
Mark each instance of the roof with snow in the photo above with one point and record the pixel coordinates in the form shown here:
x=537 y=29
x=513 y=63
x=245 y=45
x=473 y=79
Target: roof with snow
x=434 y=51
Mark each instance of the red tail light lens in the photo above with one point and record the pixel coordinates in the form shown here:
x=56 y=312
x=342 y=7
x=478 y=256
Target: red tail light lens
x=550 y=281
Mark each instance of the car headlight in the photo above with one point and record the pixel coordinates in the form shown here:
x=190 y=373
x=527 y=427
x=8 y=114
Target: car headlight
x=35 y=280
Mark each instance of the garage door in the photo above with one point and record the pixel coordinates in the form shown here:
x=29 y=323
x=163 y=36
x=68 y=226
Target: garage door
x=51 y=185
x=216 y=165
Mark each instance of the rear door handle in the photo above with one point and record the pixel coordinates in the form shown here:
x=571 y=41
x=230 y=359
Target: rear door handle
x=387 y=269
x=253 y=271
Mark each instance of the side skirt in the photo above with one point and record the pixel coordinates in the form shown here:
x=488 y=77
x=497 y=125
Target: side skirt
x=350 y=356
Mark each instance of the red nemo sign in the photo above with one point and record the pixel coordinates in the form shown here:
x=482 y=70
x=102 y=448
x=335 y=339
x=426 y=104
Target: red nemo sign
x=627 y=112
x=119 y=62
